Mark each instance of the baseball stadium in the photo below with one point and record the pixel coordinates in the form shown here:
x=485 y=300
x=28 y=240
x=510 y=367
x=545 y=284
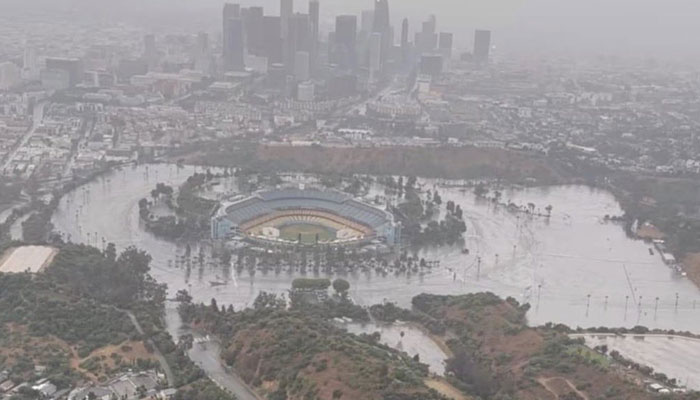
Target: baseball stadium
x=303 y=216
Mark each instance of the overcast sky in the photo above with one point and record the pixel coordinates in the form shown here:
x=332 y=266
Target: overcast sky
x=658 y=28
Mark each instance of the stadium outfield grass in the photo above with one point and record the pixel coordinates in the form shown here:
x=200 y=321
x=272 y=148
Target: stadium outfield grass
x=308 y=233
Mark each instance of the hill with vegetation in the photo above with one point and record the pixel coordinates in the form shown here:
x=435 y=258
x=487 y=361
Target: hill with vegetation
x=298 y=353
x=497 y=356
x=73 y=323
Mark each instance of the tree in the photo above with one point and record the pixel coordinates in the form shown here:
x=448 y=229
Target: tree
x=549 y=210
x=111 y=252
x=341 y=286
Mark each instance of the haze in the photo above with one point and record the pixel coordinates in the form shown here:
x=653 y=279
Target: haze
x=665 y=30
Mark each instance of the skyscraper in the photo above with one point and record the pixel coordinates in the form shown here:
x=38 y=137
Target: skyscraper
x=232 y=35
x=404 y=41
x=375 y=55
x=302 y=66
x=230 y=12
x=234 y=48
x=150 y=52
x=381 y=20
x=202 y=56
x=445 y=44
x=314 y=15
x=344 y=52
x=253 y=20
x=272 y=39
x=298 y=39
x=286 y=11
x=482 y=46
x=381 y=24
x=367 y=21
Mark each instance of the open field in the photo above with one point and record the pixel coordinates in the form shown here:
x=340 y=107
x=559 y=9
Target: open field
x=27 y=258
x=308 y=233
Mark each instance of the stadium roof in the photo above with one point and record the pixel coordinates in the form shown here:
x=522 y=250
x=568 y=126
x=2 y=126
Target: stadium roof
x=266 y=202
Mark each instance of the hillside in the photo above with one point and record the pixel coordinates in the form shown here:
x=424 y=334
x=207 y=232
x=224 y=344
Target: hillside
x=498 y=356
x=440 y=162
x=301 y=355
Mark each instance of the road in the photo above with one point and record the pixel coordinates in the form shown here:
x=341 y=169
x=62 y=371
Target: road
x=207 y=356
x=37 y=119
x=161 y=359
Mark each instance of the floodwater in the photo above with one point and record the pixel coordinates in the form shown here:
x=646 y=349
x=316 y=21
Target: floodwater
x=414 y=341
x=573 y=268
x=675 y=356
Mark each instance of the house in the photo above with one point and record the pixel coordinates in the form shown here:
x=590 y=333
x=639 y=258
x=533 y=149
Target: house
x=167 y=394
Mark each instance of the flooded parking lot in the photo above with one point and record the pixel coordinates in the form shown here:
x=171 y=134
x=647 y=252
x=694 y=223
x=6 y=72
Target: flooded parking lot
x=573 y=267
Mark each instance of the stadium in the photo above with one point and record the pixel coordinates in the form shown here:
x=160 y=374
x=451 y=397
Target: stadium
x=303 y=216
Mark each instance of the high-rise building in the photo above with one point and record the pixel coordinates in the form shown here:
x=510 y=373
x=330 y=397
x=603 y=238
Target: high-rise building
x=367 y=21
x=344 y=51
x=375 y=55
x=445 y=44
x=305 y=91
x=202 y=56
x=314 y=15
x=286 y=12
x=482 y=46
x=234 y=51
x=72 y=66
x=253 y=20
x=10 y=75
x=30 y=69
x=298 y=39
x=302 y=66
x=431 y=64
x=404 y=41
x=381 y=22
x=230 y=11
x=272 y=38
x=150 y=51
x=233 y=38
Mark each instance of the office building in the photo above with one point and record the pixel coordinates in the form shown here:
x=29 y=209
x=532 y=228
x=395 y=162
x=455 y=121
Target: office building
x=314 y=15
x=445 y=44
x=375 y=56
x=10 y=75
x=405 y=51
x=298 y=39
x=367 y=21
x=286 y=12
x=431 y=64
x=272 y=38
x=381 y=24
x=55 y=79
x=482 y=46
x=254 y=37
x=234 y=49
x=306 y=91
x=202 y=56
x=72 y=66
x=345 y=49
x=302 y=66
x=381 y=21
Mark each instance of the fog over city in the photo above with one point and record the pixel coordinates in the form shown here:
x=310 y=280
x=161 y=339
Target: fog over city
x=660 y=29
x=349 y=200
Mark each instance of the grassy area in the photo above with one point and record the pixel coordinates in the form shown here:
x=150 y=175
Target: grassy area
x=308 y=233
